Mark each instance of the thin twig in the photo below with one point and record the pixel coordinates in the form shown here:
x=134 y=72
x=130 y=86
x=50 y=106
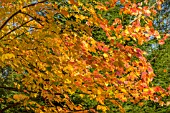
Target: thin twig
x=10 y=106
x=15 y=89
x=153 y=59
x=34 y=18
x=15 y=29
x=9 y=19
x=19 y=11
x=140 y=15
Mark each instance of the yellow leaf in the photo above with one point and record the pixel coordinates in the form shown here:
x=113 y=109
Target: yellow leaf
x=168 y=103
x=126 y=31
x=1 y=49
x=81 y=17
x=129 y=54
x=137 y=29
x=7 y=56
x=98 y=92
x=105 y=55
x=143 y=17
x=100 y=100
x=103 y=108
x=81 y=95
x=145 y=90
x=18 y=86
x=67 y=81
x=26 y=19
x=123 y=90
x=24 y=10
x=158 y=37
x=19 y=97
x=34 y=95
x=46 y=87
x=110 y=38
x=92 y=96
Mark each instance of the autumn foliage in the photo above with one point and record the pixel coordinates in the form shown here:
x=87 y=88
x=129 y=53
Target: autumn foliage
x=52 y=49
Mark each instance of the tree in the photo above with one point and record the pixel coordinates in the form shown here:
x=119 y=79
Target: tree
x=52 y=50
x=158 y=55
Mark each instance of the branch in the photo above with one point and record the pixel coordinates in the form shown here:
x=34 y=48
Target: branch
x=139 y=16
x=153 y=59
x=19 y=11
x=85 y=111
x=20 y=90
x=35 y=3
x=14 y=89
x=34 y=18
x=9 y=19
x=15 y=29
x=10 y=106
x=16 y=36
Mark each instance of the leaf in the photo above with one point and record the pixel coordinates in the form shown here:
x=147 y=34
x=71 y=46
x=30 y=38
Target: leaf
x=68 y=57
x=65 y=13
x=7 y=56
x=100 y=100
x=103 y=108
x=73 y=2
x=119 y=105
x=105 y=55
x=164 y=70
x=161 y=42
x=1 y=100
x=19 y=97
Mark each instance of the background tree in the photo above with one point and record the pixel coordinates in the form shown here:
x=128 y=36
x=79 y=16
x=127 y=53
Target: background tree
x=152 y=48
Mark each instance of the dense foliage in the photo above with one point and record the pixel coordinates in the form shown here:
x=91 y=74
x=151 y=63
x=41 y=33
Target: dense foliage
x=75 y=56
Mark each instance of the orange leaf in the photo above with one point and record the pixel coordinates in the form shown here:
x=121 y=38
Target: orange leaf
x=73 y=2
x=65 y=13
x=164 y=70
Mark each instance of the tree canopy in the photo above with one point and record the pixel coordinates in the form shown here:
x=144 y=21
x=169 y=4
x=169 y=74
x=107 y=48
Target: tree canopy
x=59 y=58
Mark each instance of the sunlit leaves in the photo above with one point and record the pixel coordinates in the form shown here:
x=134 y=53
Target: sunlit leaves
x=19 y=97
x=56 y=49
x=7 y=56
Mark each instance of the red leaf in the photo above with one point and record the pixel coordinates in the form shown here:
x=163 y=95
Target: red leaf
x=161 y=42
x=105 y=49
x=157 y=89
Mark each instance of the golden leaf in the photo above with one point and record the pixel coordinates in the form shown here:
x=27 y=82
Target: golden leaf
x=103 y=108
x=7 y=56
x=19 y=97
x=105 y=55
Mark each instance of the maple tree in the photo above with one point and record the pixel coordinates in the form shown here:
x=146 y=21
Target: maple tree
x=158 y=57
x=51 y=49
